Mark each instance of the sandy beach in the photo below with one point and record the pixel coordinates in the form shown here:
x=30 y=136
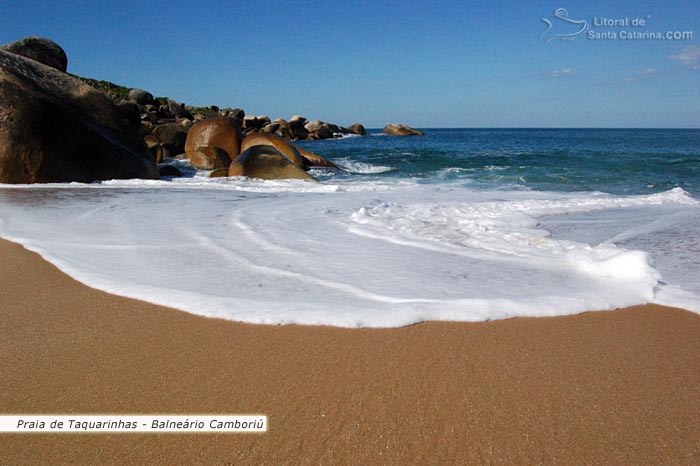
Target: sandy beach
x=619 y=387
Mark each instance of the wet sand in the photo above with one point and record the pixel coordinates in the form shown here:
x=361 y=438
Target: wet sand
x=620 y=387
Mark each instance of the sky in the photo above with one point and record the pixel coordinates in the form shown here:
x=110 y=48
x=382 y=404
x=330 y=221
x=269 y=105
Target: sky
x=426 y=64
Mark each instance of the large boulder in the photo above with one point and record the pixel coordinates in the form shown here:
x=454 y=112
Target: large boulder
x=358 y=129
x=55 y=128
x=252 y=123
x=141 y=97
x=392 y=129
x=213 y=143
x=318 y=130
x=297 y=129
x=282 y=146
x=39 y=49
x=172 y=136
x=267 y=163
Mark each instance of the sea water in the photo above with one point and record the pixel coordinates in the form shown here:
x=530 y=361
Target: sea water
x=462 y=225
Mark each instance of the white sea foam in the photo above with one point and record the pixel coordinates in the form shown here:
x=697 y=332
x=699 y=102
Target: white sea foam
x=362 y=168
x=360 y=253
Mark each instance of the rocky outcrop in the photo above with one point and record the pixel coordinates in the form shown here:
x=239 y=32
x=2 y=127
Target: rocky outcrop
x=55 y=128
x=267 y=163
x=213 y=143
x=39 y=49
x=401 y=130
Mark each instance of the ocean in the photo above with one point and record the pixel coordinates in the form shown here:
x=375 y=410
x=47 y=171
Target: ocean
x=457 y=225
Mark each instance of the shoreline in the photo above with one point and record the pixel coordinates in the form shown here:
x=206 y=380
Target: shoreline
x=600 y=387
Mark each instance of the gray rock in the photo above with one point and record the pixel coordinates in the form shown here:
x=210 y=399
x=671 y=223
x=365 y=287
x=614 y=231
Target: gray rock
x=141 y=97
x=39 y=49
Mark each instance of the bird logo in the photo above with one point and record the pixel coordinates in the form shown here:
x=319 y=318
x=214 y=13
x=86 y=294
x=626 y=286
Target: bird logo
x=560 y=21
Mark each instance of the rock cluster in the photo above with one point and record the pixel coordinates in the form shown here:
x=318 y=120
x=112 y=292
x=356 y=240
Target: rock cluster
x=56 y=128
x=218 y=144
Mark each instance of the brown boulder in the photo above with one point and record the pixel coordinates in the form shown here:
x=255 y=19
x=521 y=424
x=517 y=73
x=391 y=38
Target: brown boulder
x=357 y=128
x=297 y=130
x=282 y=146
x=401 y=130
x=252 y=123
x=158 y=153
x=172 y=136
x=318 y=130
x=267 y=163
x=39 y=49
x=213 y=143
x=55 y=128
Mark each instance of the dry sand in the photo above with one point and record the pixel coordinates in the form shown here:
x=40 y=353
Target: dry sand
x=618 y=387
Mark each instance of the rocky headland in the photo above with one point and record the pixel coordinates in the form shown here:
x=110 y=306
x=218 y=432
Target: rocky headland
x=58 y=127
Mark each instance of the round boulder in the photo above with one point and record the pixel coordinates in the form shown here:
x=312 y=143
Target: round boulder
x=318 y=130
x=39 y=49
x=282 y=146
x=358 y=129
x=141 y=97
x=213 y=143
x=172 y=136
x=267 y=163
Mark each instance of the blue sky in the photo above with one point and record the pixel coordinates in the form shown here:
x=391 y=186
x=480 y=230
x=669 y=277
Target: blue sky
x=427 y=64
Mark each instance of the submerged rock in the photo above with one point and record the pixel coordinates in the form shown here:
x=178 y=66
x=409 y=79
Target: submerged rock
x=401 y=130
x=55 y=128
